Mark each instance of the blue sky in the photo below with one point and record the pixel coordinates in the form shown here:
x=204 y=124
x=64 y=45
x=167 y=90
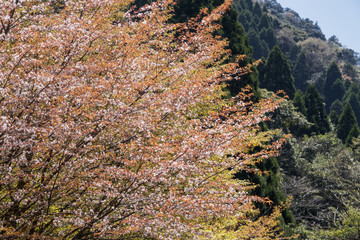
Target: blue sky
x=335 y=17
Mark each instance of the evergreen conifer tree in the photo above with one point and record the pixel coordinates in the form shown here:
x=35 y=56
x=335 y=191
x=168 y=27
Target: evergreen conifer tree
x=255 y=42
x=347 y=84
x=264 y=49
x=245 y=4
x=239 y=44
x=338 y=89
x=264 y=22
x=315 y=110
x=256 y=21
x=301 y=72
x=277 y=74
x=268 y=35
x=334 y=117
x=235 y=33
x=354 y=133
x=337 y=106
x=186 y=9
x=250 y=4
x=244 y=19
x=333 y=74
x=294 y=54
x=237 y=6
x=242 y=5
x=253 y=24
x=268 y=186
x=355 y=105
x=353 y=89
x=299 y=102
x=248 y=15
x=257 y=10
x=347 y=121
x=335 y=92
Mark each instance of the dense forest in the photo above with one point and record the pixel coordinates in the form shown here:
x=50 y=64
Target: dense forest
x=319 y=163
x=183 y=119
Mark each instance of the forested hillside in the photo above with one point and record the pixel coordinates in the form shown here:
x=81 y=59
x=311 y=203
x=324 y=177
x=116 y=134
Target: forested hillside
x=319 y=163
x=184 y=119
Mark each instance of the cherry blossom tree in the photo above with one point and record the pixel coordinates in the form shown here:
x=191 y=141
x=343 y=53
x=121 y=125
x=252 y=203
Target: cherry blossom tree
x=114 y=124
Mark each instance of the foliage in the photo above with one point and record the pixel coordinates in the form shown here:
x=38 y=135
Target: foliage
x=315 y=110
x=265 y=22
x=354 y=133
x=184 y=10
x=245 y=18
x=354 y=88
x=114 y=124
x=329 y=186
x=350 y=71
x=299 y=102
x=333 y=86
x=318 y=54
x=141 y=3
x=337 y=106
x=355 y=105
x=334 y=40
x=319 y=171
x=294 y=55
x=334 y=117
x=301 y=72
x=286 y=38
x=260 y=46
x=348 y=56
x=257 y=10
x=290 y=120
x=268 y=35
x=233 y=31
x=322 y=181
x=348 y=228
x=258 y=26
x=347 y=121
x=276 y=74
